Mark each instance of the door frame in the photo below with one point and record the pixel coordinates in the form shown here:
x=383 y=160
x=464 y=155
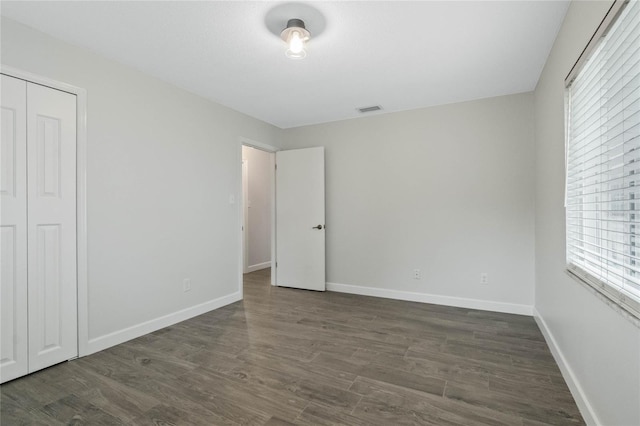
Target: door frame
x=81 y=194
x=272 y=150
x=245 y=216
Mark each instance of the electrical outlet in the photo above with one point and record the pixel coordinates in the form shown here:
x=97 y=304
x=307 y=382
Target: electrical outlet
x=417 y=274
x=484 y=278
x=186 y=285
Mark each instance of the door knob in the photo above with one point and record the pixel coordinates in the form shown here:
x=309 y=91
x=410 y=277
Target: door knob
x=317 y=227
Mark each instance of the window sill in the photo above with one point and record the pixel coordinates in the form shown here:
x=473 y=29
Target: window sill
x=609 y=299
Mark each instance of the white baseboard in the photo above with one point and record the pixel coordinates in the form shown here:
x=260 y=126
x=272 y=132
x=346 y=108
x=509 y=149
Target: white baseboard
x=460 y=302
x=259 y=266
x=582 y=402
x=121 y=336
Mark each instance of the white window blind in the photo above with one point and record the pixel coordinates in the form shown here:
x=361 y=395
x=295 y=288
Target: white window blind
x=603 y=163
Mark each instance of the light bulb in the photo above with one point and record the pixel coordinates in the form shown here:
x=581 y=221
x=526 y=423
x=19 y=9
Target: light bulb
x=296 y=43
x=296 y=36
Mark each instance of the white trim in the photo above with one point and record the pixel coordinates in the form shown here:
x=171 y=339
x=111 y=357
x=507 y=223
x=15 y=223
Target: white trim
x=259 y=266
x=587 y=411
x=117 y=337
x=240 y=213
x=81 y=194
x=460 y=302
x=274 y=271
x=256 y=144
x=245 y=214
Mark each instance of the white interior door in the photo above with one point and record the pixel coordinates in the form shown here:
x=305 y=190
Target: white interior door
x=13 y=230
x=300 y=234
x=51 y=218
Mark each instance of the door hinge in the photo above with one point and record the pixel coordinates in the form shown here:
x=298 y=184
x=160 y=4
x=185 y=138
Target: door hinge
x=276 y=167
x=276 y=264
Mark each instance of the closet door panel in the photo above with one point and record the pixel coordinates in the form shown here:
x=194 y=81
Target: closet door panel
x=13 y=230
x=51 y=168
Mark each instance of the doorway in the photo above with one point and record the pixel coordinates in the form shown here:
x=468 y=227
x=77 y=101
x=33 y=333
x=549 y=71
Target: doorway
x=257 y=209
x=301 y=189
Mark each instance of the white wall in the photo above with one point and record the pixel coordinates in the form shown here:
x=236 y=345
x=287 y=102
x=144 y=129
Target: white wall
x=448 y=190
x=598 y=348
x=162 y=164
x=259 y=209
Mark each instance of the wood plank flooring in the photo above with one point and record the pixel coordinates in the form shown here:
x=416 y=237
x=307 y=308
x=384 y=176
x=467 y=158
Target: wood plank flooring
x=284 y=356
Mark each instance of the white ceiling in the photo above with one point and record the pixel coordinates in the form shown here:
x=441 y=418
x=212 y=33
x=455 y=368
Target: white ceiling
x=397 y=54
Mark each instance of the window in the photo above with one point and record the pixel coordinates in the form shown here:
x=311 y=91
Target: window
x=603 y=160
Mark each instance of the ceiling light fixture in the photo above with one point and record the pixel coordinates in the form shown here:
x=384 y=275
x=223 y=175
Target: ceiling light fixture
x=296 y=37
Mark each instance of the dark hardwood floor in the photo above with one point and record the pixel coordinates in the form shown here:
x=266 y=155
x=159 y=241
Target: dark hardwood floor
x=285 y=356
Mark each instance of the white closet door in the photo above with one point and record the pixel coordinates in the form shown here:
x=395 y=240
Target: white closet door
x=51 y=218
x=13 y=230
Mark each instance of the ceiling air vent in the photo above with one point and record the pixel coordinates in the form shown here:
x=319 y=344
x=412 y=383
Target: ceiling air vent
x=370 y=108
